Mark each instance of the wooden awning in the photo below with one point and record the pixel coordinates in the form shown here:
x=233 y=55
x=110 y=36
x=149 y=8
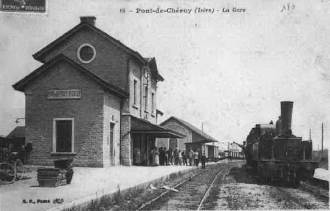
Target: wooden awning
x=200 y=142
x=141 y=126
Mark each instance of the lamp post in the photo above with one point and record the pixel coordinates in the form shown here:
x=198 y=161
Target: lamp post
x=18 y=119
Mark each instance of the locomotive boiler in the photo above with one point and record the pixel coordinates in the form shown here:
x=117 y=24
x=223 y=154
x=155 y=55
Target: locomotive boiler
x=278 y=155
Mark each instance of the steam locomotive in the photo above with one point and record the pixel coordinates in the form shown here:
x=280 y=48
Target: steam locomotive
x=278 y=155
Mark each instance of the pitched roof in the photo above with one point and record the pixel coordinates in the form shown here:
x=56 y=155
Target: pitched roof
x=191 y=127
x=18 y=132
x=153 y=65
x=20 y=85
x=41 y=53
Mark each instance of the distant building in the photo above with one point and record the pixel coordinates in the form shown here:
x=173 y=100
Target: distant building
x=212 y=150
x=16 y=138
x=3 y=148
x=194 y=139
x=234 y=150
x=13 y=142
x=93 y=99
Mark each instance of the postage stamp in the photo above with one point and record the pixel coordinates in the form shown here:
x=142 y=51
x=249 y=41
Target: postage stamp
x=38 y=6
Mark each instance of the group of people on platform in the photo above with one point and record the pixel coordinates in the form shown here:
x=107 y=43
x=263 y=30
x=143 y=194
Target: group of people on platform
x=164 y=157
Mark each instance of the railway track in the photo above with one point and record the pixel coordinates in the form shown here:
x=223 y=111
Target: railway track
x=192 y=193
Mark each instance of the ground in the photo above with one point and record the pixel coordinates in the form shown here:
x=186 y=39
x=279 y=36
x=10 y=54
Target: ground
x=241 y=190
x=235 y=188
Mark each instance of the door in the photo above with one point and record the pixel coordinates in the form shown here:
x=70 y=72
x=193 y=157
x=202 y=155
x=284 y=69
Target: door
x=112 y=152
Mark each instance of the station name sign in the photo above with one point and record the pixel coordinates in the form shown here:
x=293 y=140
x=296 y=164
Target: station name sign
x=23 y=5
x=64 y=94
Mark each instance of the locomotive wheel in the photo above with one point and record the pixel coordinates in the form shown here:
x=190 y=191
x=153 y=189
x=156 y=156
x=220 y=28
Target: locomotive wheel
x=292 y=179
x=285 y=176
x=281 y=173
x=296 y=180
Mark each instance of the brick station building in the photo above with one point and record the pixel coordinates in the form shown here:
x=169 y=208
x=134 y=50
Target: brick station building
x=93 y=99
x=194 y=138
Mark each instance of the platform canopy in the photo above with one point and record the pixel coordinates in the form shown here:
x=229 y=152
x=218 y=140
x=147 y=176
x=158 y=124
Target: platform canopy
x=200 y=142
x=141 y=126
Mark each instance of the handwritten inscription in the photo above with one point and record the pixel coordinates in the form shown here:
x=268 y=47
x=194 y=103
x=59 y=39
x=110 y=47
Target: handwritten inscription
x=288 y=7
x=64 y=94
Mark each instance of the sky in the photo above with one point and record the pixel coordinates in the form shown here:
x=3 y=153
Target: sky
x=228 y=71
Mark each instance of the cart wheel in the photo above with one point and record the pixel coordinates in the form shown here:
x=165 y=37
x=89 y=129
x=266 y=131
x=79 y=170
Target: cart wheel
x=7 y=172
x=69 y=175
x=19 y=169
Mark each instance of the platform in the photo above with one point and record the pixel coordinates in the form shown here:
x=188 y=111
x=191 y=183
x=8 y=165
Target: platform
x=322 y=174
x=87 y=183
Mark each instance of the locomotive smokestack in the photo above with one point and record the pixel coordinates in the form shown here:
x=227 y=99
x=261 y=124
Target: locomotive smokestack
x=286 y=117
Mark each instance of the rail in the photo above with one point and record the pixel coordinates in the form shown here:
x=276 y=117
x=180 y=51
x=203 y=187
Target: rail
x=204 y=195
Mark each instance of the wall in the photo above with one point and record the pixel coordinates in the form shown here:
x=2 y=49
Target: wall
x=136 y=72
x=195 y=138
x=175 y=126
x=162 y=142
x=88 y=117
x=111 y=115
x=110 y=62
x=153 y=89
x=126 y=146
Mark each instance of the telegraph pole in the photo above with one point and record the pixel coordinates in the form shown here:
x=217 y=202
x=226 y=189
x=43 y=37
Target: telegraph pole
x=202 y=127
x=322 y=139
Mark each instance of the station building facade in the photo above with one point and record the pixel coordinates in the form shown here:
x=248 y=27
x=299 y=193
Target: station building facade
x=93 y=99
x=194 y=138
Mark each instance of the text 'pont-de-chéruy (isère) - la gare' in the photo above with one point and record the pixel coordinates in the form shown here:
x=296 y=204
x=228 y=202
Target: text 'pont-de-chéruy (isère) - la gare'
x=179 y=10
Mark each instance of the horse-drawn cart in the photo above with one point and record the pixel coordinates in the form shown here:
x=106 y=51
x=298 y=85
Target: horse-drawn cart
x=11 y=170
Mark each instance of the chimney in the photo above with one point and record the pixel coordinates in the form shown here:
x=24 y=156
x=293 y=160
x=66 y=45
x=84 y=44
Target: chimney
x=88 y=19
x=286 y=117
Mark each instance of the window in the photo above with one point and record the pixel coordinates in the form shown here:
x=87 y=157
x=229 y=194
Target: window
x=135 y=92
x=152 y=103
x=146 y=98
x=63 y=135
x=86 y=53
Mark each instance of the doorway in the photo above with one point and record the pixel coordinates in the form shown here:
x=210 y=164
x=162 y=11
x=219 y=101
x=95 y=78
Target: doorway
x=173 y=143
x=142 y=145
x=112 y=151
